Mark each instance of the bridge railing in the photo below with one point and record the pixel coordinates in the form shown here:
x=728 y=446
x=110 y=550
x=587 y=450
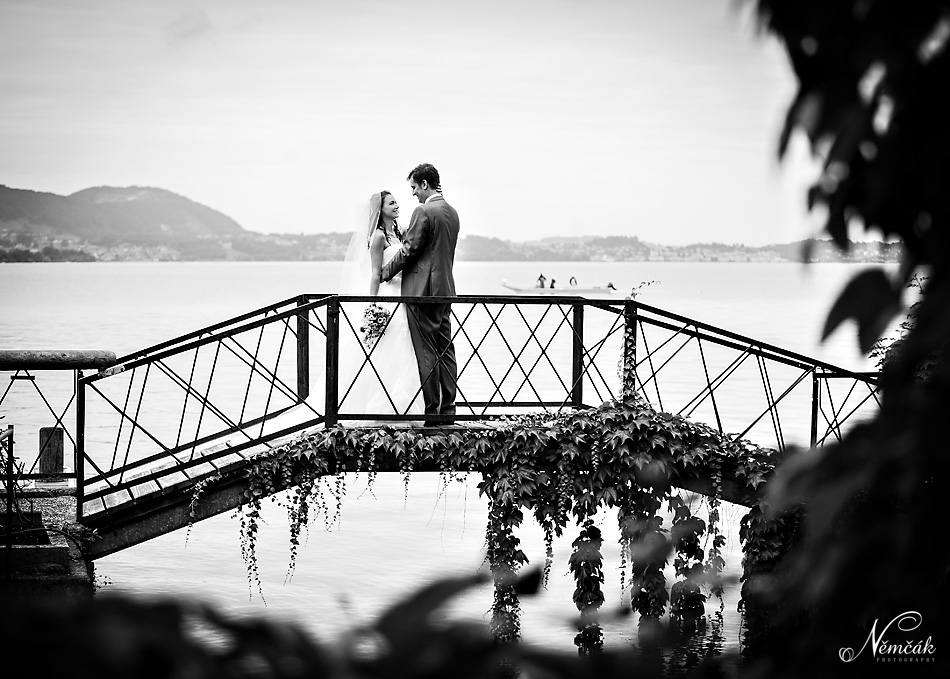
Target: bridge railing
x=186 y=406
x=38 y=394
x=743 y=387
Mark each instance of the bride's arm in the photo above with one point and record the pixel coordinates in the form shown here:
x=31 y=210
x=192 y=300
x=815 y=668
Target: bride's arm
x=376 y=246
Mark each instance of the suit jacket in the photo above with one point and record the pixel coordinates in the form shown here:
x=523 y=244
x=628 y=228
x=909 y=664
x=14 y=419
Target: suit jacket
x=428 y=251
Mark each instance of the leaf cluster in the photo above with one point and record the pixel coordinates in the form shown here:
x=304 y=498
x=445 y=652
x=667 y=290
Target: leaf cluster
x=562 y=468
x=872 y=102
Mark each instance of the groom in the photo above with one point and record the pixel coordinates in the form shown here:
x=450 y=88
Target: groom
x=426 y=260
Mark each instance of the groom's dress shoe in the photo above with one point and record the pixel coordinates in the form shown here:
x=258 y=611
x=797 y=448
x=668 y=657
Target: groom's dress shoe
x=439 y=423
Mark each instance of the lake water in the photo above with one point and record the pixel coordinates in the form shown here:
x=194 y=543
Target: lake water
x=389 y=540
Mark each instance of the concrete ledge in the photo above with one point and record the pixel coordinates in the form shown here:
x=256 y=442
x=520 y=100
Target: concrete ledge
x=62 y=583
x=52 y=557
x=56 y=569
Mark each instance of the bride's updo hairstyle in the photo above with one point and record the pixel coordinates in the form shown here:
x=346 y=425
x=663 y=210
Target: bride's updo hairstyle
x=379 y=220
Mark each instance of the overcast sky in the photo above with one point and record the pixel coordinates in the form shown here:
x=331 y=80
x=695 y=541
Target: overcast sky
x=653 y=118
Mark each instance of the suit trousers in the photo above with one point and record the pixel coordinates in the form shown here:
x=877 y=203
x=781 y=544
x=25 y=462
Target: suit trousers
x=431 y=330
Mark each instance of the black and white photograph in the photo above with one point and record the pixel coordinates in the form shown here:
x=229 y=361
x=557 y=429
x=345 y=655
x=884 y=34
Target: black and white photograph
x=419 y=339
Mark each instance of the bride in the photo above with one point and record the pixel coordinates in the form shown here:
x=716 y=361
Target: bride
x=377 y=376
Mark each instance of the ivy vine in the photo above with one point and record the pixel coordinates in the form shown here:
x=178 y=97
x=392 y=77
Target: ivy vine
x=586 y=564
x=563 y=468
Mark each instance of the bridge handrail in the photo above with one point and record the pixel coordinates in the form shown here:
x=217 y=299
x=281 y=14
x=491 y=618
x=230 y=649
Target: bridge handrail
x=209 y=333
x=617 y=306
x=55 y=359
x=761 y=349
x=205 y=336
x=302 y=303
x=148 y=351
x=800 y=359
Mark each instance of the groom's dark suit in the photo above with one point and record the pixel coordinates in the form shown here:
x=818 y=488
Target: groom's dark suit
x=426 y=260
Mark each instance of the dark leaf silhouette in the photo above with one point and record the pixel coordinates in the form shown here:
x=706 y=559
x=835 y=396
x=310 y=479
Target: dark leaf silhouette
x=530 y=582
x=871 y=300
x=406 y=618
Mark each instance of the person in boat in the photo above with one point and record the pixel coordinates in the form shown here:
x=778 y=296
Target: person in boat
x=573 y=282
x=552 y=283
x=541 y=281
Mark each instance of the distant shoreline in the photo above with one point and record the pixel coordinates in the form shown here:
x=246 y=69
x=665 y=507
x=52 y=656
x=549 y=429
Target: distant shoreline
x=328 y=248
x=4 y=260
x=465 y=261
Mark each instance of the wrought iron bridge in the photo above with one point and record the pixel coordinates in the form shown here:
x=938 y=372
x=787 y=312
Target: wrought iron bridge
x=145 y=428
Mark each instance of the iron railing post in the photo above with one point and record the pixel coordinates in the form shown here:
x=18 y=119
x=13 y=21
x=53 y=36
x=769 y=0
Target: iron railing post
x=333 y=359
x=577 y=374
x=303 y=352
x=629 y=366
x=8 y=435
x=815 y=397
x=79 y=467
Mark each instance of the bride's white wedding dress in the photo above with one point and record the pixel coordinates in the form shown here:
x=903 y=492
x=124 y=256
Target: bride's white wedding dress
x=387 y=381
x=383 y=380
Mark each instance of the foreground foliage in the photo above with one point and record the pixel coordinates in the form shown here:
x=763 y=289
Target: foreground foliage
x=871 y=511
x=114 y=636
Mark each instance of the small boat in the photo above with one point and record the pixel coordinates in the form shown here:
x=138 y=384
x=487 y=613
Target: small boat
x=559 y=291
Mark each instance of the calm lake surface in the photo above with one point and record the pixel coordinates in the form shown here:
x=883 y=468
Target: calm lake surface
x=391 y=539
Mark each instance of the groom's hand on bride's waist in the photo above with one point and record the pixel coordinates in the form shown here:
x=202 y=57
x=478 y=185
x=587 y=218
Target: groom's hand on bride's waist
x=390 y=269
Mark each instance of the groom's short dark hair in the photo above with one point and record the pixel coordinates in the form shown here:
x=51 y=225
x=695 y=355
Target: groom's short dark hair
x=425 y=172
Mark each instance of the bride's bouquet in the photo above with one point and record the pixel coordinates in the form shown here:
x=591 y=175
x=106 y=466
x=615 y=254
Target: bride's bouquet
x=375 y=320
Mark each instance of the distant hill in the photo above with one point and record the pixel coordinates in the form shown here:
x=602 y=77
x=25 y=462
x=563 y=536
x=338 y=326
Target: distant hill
x=105 y=214
x=149 y=224
x=141 y=223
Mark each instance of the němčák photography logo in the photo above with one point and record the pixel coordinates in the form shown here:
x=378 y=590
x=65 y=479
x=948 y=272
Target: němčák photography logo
x=901 y=640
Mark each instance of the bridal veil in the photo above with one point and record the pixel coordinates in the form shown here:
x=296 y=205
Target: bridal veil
x=354 y=279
